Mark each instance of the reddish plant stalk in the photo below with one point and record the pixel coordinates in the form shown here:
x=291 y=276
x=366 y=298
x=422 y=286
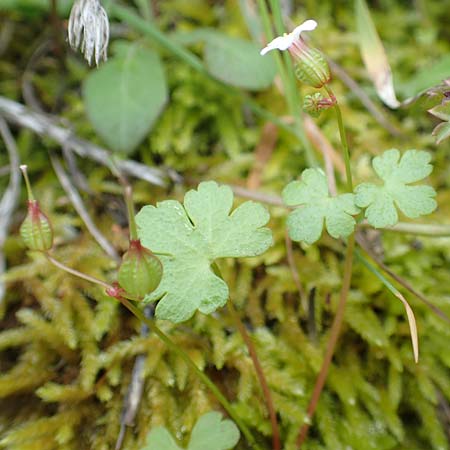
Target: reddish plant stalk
x=334 y=335
x=276 y=444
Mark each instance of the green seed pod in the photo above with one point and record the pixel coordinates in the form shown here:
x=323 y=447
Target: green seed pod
x=36 y=230
x=141 y=271
x=311 y=67
x=312 y=105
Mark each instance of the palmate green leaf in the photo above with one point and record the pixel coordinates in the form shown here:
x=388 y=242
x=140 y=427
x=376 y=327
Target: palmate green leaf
x=189 y=238
x=209 y=433
x=381 y=201
x=237 y=62
x=125 y=95
x=316 y=206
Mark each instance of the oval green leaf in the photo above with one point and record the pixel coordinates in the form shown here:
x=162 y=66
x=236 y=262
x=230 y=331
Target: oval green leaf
x=238 y=62
x=124 y=97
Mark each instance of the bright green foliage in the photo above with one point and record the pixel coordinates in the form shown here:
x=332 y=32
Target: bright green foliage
x=189 y=239
x=52 y=321
x=442 y=111
x=125 y=95
x=209 y=433
x=238 y=62
x=315 y=205
x=381 y=201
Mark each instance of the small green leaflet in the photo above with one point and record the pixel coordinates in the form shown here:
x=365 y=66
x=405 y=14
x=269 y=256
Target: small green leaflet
x=189 y=238
x=442 y=111
x=316 y=206
x=209 y=433
x=381 y=201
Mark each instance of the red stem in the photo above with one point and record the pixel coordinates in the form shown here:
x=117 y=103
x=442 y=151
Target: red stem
x=276 y=445
x=331 y=346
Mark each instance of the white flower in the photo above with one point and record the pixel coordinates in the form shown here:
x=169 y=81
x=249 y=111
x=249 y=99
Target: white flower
x=285 y=41
x=89 y=29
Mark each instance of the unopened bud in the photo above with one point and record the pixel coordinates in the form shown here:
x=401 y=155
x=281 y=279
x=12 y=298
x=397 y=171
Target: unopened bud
x=141 y=271
x=314 y=104
x=36 y=230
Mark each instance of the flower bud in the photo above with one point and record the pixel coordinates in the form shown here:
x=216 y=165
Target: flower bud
x=310 y=65
x=141 y=271
x=36 y=230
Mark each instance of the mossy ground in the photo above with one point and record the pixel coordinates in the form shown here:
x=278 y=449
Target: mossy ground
x=67 y=350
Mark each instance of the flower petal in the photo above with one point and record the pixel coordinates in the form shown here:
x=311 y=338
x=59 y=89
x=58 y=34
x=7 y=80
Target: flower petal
x=308 y=25
x=279 y=43
x=284 y=42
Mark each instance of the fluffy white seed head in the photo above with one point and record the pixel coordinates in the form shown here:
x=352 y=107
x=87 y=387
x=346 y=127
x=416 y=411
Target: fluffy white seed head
x=88 y=30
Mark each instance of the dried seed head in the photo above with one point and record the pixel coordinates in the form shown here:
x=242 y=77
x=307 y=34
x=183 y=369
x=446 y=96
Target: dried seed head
x=88 y=30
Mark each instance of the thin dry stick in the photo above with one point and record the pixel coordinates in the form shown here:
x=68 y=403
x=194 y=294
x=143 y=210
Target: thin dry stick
x=78 y=204
x=334 y=334
x=10 y=197
x=136 y=386
x=260 y=374
x=45 y=125
x=365 y=99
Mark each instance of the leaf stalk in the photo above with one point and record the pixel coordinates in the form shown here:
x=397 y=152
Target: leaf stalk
x=276 y=444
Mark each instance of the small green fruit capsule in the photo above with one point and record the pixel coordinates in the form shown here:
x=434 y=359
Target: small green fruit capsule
x=311 y=67
x=141 y=271
x=36 y=230
x=312 y=105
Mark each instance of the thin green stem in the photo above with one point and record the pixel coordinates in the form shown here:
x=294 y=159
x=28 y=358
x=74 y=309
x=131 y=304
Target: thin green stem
x=128 y=194
x=177 y=350
x=76 y=273
x=339 y=317
x=23 y=168
x=170 y=344
x=145 y=9
x=344 y=143
x=276 y=444
x=331 y=345
x=128 y=16
x=286 y=71
x=421 y=229
x=149 y=29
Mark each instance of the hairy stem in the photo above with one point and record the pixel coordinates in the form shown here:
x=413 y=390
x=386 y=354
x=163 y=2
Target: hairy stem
x=276 y=445
x=343 y=136
x=76 y=273
x=331 y=345
x=339 y=317
x=182 y=354
x=170 y=344
x=128 y=195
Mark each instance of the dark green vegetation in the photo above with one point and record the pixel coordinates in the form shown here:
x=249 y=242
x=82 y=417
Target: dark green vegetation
x=67 y=350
